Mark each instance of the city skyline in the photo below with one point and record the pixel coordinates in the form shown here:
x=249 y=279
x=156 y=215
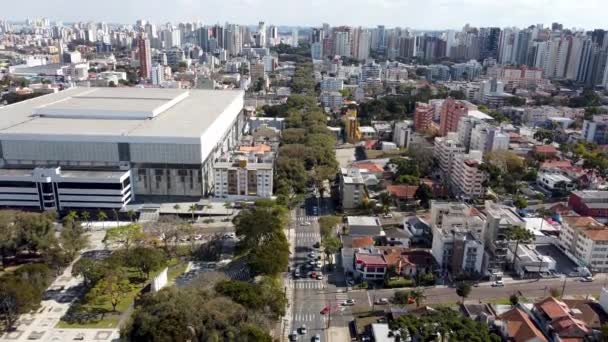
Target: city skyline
x=442 y=14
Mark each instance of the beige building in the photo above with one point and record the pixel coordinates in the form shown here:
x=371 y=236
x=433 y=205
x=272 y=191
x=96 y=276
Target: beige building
x=587 y=240
x=352 y=189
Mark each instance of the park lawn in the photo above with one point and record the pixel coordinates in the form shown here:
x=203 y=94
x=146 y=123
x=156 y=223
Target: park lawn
x=374 y=154
x=176 y=268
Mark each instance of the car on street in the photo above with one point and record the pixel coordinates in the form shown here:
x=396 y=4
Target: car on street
x=319 y=264
x=305 y=223
x=325 y=310
x=381 y=301
x=587 y=279
x=312 y=263
x=312 y=255
x=303 y=329
x=319 y=276
x=313 y=274
x=498 y=283
x=348 y=302
x=387 y=216
x=317 y=244
x=317 y=338
x=293 y=336
x=296 y=273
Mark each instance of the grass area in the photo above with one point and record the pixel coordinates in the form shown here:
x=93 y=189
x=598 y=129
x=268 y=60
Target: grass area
x=99 y=314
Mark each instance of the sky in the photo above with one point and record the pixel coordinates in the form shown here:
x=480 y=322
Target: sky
x=415 y=14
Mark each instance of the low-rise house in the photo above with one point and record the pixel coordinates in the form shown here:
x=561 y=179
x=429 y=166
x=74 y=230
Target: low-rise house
x=516 y=326
x=370 y=265
x=419 y=228
x=395 y=237
x=545 y=151
x=363 y=226
x=350 y=245
x=556 y=183
x=409 y=262
x=558 y=322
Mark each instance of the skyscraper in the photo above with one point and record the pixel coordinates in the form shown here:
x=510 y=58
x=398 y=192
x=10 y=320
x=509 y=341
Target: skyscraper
x=145 y=57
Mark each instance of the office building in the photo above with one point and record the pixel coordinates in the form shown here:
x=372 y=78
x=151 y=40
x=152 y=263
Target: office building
x=145 y=57
x=168 y=139
x=54 y=189
x=457 y=237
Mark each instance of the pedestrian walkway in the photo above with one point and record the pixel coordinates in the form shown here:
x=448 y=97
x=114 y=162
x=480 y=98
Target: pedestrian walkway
x=306 y=218
x=304 y=238
x=309 y=284
x=309 y=317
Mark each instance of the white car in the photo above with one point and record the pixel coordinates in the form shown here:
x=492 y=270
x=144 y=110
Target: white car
x=498 y=283
x=305 y=223
x=382 y=301
x=348 y=302
x=319 y=264
x=319 y=276
x=587 y=279
x=303 y=329
x=317 y=338
x=387 y=216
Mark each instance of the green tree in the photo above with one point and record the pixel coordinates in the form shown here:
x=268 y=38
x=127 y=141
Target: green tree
x=102 y=216
x=385 y=200
x=255 y=226
x=146 y=260
x=463 y=290
x=327 y=225
x=518 y=234
x=16 y=297
x=272 y=257
x=520 y=202
x=132 y=214
x=35 y=232
x=424 y=194
x=555 y=292
x=514 y=299
x=8 y=235
x=73 y=238
x=331 y=246
x=113 y=287
x=401 y=297
x=192 y=209
x=125 y=235
x=418 y=296
x=89 y=269
x=86 y=217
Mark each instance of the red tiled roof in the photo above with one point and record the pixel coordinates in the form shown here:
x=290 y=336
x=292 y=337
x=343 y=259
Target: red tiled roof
x=402 y=191
x=368 y=259
x=556 y=164
x=371 y=167
x=553 y=308
x=570 y=327
x=520 y=327
x=545 y=149
x=364 y=241
x=257 y=148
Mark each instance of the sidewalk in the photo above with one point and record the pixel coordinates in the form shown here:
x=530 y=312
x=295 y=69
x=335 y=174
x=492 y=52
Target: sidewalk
x=286 y=322
x=337 y=334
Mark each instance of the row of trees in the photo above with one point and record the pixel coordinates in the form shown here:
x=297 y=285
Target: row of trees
x=198 y=313
x=260 y=230
x=28 y=242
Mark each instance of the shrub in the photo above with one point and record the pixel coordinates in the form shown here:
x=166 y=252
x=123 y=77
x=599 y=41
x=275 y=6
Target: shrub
x=403 y=282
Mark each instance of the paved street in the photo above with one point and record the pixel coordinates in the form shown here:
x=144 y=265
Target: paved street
x=311 y=295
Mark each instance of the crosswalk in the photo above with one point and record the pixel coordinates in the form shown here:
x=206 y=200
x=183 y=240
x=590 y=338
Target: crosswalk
x=341 y=297
x=313 y=284
x=308 y=317
x=306 y=238
x=306 y=218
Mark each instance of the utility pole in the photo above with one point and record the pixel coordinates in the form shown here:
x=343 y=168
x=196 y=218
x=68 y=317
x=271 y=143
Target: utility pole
x=563 y=287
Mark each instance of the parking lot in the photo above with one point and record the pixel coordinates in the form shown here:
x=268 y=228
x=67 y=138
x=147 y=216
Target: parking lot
x=563 y=264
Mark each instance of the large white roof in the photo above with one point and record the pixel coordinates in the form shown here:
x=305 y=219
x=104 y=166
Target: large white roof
x=122 y=115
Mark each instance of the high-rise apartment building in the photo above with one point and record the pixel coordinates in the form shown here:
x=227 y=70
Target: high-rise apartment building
x=145 y=57
x=451 y=112
x=423 y=116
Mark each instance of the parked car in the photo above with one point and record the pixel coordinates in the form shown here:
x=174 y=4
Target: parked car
x=498 y=283
x=319 y=276
x=381 y=301
x=293 y=336
x=317 y=338
x=317 y=244
x=303 y=329
x=313 y=274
